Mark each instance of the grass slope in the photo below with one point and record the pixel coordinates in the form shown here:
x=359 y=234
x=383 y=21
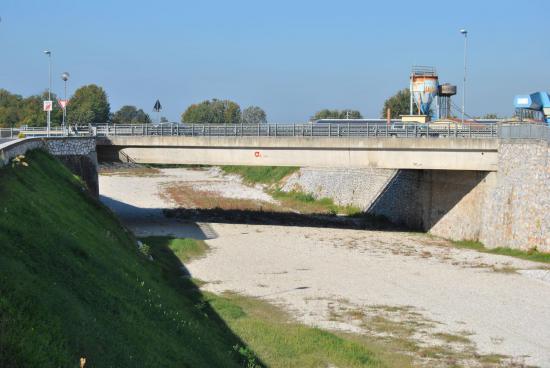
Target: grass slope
x=530 y=255
x=260 y=174
x=278 y=341
x=72 y=284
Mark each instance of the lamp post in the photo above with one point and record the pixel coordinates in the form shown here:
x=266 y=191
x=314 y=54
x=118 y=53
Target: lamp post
x=65 y=76
x=465 y=33
x=48 y=122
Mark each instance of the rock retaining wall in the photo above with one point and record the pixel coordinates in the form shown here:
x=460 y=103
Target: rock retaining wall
x=78 y=154
x=507 y=208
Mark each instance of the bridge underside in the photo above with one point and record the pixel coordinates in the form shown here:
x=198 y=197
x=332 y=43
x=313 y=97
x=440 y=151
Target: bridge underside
x=387 y=153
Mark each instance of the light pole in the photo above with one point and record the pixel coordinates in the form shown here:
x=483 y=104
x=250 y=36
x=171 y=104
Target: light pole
x=465 y=33
x=65 y=76
x=49 y=54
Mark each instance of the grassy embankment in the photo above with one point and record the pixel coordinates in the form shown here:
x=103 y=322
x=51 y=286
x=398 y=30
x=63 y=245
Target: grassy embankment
x=74 y=284
x=530 y=255
x=269 y=332
x=303 y=202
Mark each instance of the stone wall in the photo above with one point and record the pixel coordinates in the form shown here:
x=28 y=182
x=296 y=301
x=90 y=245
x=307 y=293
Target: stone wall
x=358 y=187
x=507 y=208
x=78 y=154
x=517 y=210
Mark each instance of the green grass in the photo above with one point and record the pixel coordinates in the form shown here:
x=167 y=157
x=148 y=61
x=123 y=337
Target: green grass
x=530 y=255
x=73 y=283
x=260 y=174
x=306 y=202
x=270 y=333
x=184 y=249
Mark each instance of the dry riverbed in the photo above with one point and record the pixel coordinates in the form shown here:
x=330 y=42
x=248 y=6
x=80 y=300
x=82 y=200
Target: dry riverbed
x=441 y=304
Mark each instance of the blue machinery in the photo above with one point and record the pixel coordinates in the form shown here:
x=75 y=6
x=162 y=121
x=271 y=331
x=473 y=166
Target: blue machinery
x=534 y=106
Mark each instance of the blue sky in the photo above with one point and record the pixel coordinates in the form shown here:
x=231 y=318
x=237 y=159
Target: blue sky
x=290 y=57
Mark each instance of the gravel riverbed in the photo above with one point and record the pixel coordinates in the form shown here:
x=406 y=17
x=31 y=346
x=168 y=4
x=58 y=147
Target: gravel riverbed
x=347 y=279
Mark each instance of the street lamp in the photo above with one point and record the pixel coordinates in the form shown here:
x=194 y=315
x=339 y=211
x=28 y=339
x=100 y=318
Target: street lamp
x=465 y=33
x=65 y=76
x=49 y=54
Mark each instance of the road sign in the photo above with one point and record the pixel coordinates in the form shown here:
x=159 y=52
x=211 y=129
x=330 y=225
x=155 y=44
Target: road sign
x=48 y=105
x=157 y=106
x=63 y=103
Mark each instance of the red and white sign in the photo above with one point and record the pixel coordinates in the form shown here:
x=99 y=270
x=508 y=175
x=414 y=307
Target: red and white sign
x=257 y=154
x=62 y=103
x=48 y=105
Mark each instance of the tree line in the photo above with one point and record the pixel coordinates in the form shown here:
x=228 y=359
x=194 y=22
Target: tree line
x=90 y=105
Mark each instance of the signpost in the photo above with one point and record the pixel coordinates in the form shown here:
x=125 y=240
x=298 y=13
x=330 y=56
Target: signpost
x=157 y=108
x=48 y=106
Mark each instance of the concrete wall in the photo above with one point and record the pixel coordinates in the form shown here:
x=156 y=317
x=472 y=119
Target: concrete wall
x=348 y=152
x=447 y=203
x=78 y=154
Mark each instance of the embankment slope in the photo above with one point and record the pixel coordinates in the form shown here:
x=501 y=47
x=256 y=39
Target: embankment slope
x=73 y=284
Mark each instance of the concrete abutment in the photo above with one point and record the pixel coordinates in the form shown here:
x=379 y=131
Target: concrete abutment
x=504 y=208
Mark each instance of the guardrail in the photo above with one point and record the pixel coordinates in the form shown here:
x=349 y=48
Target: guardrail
x=302 y=130
x=450 y=130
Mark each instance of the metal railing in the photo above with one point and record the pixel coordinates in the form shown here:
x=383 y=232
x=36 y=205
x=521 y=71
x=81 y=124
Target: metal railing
x=399 y=130
x=303 y=130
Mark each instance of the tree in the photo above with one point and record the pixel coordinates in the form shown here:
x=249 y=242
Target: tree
x=399 y=104
x=9 y=108
x=130 y=115
x=213 y=112
x=254 y=115
x=31 y=111
x=337 y=114
x=89 y=105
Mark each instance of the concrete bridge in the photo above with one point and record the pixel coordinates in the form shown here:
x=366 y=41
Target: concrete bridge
x=343 y=152
x=451 y=183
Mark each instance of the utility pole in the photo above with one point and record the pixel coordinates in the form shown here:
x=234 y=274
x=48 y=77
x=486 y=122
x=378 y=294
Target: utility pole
x=465 y=33
x=48 y=122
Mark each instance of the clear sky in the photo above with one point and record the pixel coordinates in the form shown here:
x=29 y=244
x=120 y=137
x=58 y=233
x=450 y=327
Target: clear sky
x=290 y=57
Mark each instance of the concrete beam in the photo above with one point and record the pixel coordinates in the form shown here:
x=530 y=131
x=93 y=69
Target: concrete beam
x=352 y=152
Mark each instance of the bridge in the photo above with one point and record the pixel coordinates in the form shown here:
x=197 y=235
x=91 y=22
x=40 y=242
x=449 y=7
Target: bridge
x=448 y=146
x=433 y=147
x=484 y=182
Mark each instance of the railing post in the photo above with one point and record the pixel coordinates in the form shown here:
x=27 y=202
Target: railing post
x=350 y=134
x=294 y=130
x=276 y=130
x=469 y=131
x=427 y=130
x=258 y=130
x=193 y=130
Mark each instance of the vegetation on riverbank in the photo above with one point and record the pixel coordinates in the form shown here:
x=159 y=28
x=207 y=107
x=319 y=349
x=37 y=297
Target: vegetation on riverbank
x=73 y=283
x=296 y=200
x=307 y=203
x=278 y=341
x=530 y=255
x=260 y=174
